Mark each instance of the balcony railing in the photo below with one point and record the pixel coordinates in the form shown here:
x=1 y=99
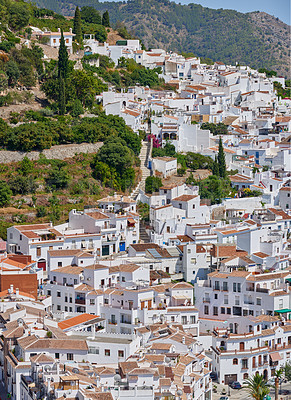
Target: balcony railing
x=206 y=300
x=80 y=301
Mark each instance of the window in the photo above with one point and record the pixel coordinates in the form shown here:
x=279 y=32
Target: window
x=66 y=308
x=225 y=286
x=58 y=294
x=235 y=361
x=215 y=310
x=222 y=310
x=71 y=309
x=70 y=356
x=234 y=286
x=20 y=237
x=67 y=41
x=192 y=319
x=228 y=310
x=11 y=235
x=38 y=251
x=245 y=313
x=216 y=285
x=193 y=206
x=106 y=301
x=66 y=299
x=206 y=310
x=59 y=308
x=64 y=281
x=60 y=264
x=184 y=320
x=120 y=353
x=57 y=355
x=71 y=300
x=54 y=278
x=172 y=319
x=225 y=299
x=259 y=301
x=123 y=279
x=49 y=292
x=75 y=281
x=193 y=261
x=245 y=363
x=107 y=352
x=239 y=287
x=92 y=302
x=215 y=296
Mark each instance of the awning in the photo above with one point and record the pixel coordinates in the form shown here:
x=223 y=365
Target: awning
x=288 y=280
x=283 y=310
x=275 y=357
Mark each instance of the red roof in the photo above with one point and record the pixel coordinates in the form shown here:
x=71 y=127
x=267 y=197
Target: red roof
x=74 y=321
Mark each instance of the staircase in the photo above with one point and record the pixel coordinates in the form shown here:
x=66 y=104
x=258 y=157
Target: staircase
x=143 y=235
x=144 y=156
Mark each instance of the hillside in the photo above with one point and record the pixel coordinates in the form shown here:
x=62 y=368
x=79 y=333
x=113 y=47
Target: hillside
x=256 y=39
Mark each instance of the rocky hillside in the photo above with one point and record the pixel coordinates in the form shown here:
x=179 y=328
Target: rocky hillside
x=256 y=39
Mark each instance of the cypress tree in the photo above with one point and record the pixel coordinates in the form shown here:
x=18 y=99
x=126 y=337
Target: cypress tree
x=77 y=27
x=62 y=96
x=105 y=19
x=221 y=160
x=215 y=168
x=63 y=62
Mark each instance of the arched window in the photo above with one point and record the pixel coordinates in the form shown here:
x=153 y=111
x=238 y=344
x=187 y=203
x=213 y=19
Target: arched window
x=231 y=328
x=246 y=375
x=235 y=361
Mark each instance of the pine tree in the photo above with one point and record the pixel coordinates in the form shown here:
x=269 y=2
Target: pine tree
x=63 y=62
x=215 y=167
x=105 y=19
x=77 y=27
x=62 y=96
x=221 y=160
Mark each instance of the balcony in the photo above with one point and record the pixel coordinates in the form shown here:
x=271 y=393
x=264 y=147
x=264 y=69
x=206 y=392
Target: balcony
x=262 y=290
x=112 y=322
x=206 y=300
x=80 y=301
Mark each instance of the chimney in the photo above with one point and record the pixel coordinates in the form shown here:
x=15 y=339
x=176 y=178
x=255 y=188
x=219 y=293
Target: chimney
x=59 y=29
x=71 y=31
x=17 y=292
x=183 y=339
x=11 y=288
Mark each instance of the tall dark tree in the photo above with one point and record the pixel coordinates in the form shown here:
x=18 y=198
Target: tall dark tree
x=105 y=19
x=215 y=167
x=62 y=96
x=63 y=61
x=221 y=160
x=77 y=27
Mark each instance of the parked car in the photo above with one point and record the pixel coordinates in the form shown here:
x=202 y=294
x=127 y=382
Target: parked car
x=235 y=385
x=213 y=376
x=223 y=398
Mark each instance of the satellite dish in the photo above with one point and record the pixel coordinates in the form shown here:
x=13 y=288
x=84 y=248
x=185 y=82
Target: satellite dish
x=75 y=371
x=47 y=368
x=117 y=378
x=179 y=392
x=20 y=322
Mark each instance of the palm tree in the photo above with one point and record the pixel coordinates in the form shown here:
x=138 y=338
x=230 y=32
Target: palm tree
x=257 y=387
x=278 y=375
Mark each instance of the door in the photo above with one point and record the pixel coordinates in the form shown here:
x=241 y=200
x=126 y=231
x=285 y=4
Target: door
x=122 y=246
x=241 y=346
x=230 y=378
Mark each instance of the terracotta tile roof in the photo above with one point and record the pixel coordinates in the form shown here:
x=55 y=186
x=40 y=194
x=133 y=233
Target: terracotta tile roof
x=73 y=270
x=74 y=321
x=97 y=215
x=182 y=285
x=261 y=255
x=185 y=197
x=144 y=246
x=68 y=253
x=280 y=213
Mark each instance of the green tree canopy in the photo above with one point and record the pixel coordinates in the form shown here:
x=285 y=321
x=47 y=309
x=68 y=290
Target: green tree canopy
x=221 y=160
x=5 y=194
x=77 y=27
x=90 y=15
x=105 y=19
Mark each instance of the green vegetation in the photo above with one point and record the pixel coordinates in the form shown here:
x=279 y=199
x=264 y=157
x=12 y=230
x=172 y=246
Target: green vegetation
x=213 y=188
x=152 y=184
x=46 y=132
x=257 y=387
x=268 y=73
x=167 y=151
x=216 y=129
x=77 y=27
x=281 y=92
x=221 y=160
x=105 y=19
x=90 y=15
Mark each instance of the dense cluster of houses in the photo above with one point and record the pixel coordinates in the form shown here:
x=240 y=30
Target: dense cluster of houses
x=91 y=310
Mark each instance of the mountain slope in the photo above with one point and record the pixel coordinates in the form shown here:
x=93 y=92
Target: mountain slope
x=256 y=39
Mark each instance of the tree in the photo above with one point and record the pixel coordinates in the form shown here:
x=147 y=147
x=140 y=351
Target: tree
x=221 y=160
x=3 y=82
x=62 y=97
x=278 y=378
x=257 y=387
x=105 y=19
x=63 y=60
x=287 y=372
x=215 y=167
x=26 y=166
x=77 y=108
x=152 y=184
x=5 y=193
x=58 y=179
x=18 y=15
x=13 y=73
x=116 y=154
x=77 y=27
x=90 y=15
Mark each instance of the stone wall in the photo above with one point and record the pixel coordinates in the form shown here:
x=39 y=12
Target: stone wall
x=59 y=152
